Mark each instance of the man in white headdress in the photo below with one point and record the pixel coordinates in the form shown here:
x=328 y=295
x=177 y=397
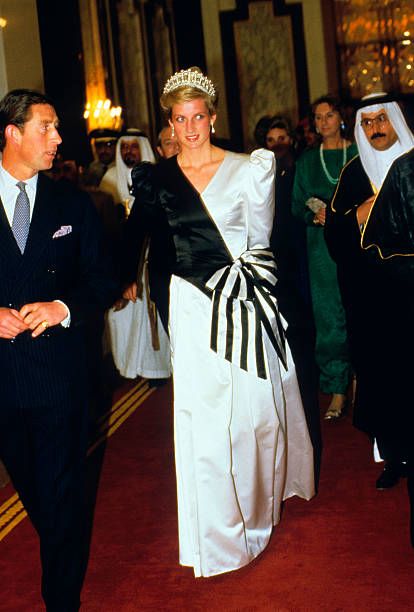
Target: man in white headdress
x=382 y=135
x=139 y=342
x=132 y=147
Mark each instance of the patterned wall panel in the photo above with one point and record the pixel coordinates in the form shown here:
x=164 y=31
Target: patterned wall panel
x=266 y=67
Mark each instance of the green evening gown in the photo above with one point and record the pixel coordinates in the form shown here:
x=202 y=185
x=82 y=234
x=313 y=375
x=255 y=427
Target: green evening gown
x=331 y=340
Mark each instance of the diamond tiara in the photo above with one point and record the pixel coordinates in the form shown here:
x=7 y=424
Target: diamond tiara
x=190 y=78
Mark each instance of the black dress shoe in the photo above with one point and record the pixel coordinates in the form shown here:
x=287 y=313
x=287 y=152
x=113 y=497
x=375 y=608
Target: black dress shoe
x=389 y=477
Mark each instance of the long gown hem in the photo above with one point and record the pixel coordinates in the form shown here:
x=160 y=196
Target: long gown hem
x=217 y=572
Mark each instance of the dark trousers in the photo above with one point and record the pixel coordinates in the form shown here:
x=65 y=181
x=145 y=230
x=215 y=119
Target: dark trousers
x=44 y=450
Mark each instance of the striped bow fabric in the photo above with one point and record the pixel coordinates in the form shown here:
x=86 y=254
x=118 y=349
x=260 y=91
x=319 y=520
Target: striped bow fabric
x=243 y=308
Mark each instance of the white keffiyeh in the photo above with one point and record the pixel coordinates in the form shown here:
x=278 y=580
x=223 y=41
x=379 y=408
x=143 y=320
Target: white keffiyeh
x=122 y=170
x=377 y=163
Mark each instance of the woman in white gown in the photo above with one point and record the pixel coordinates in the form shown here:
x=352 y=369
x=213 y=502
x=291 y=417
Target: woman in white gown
x=241 y=440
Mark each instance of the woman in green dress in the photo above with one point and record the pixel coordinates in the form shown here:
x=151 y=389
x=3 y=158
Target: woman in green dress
x=317 y=174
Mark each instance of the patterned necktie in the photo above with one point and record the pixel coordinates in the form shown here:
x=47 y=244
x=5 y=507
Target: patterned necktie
x=21 y=218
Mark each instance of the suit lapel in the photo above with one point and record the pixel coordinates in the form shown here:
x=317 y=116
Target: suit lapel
x=42 y=226
x=43 y=223
x=10 y=256
x=43 y=219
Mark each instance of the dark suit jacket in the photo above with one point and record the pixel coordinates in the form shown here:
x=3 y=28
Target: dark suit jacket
x=73 y=268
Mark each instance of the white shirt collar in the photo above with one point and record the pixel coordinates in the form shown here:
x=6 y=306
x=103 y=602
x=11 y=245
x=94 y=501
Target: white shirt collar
x=9 y=192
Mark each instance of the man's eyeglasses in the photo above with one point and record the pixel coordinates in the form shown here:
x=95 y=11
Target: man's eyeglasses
x=380 y=120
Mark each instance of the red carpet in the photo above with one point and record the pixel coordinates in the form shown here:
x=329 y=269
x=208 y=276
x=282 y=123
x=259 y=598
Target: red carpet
x=346 y=550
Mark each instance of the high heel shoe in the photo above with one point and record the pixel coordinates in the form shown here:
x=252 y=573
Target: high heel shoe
x=336 y=408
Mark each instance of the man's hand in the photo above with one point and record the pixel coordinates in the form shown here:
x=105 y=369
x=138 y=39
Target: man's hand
x=130 y=293
x=363 y=210
x=41 y=315
x=11 y=323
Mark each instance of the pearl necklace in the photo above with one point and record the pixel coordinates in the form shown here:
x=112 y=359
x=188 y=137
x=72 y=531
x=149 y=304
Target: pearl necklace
x=330 y=178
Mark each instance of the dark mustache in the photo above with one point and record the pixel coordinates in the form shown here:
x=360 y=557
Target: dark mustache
x=377 y=135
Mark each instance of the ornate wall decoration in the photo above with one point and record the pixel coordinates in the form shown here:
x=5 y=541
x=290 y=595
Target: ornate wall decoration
x=265 y=66
x=375 y=45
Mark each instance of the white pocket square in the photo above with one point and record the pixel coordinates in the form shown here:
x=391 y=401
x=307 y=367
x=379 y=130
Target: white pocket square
x=63 y=231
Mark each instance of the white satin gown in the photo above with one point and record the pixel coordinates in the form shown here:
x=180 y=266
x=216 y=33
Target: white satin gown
x=241 y=442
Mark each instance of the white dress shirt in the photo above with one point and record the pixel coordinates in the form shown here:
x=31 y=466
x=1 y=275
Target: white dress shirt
x=9 y=192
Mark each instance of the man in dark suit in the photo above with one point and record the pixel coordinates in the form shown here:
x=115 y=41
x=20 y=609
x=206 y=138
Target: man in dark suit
x=53 y=279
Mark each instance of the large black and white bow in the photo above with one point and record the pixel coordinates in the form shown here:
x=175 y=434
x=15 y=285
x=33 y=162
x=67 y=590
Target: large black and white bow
x=243 y=308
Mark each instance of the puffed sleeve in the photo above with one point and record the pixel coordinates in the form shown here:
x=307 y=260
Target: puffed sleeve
x=261 y=197
x=143 y=183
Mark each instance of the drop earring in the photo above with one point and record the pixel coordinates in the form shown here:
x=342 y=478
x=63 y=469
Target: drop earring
x=213 y=131
x=342 y=125
x=172 y=131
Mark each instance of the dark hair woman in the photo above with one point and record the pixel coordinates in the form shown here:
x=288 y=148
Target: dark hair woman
x=317 y=174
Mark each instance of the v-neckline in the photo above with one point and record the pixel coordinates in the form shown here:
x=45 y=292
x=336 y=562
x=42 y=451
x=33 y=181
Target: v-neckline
x=200 y=193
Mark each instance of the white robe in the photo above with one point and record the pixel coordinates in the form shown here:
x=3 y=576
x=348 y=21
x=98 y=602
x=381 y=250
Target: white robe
x=130 y=340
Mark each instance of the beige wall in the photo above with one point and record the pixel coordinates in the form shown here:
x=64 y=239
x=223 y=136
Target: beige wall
x=20 y=52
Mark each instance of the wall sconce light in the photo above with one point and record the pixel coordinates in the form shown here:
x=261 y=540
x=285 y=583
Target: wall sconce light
x=3 y=22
